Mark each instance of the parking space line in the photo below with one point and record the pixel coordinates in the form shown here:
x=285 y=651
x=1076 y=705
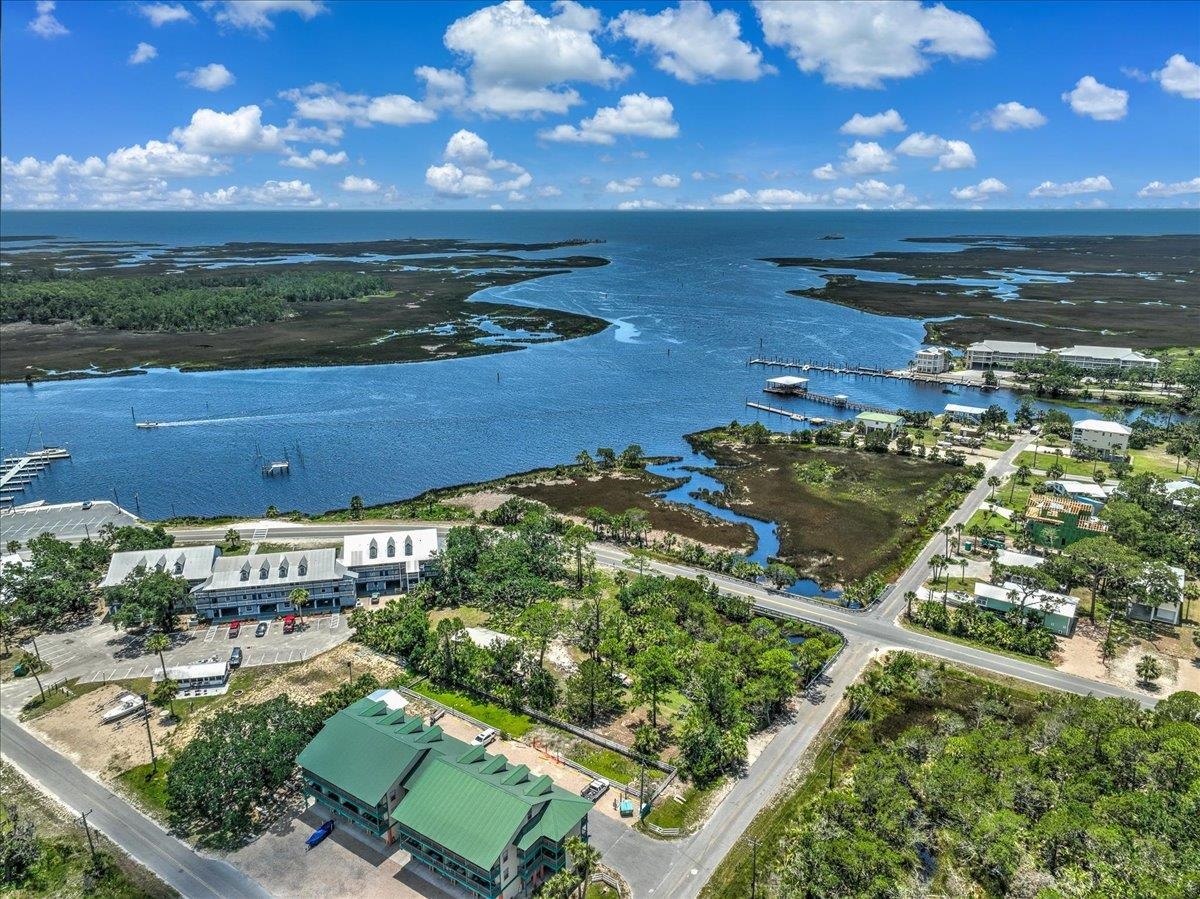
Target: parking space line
x=333 y=622
x=212 y=632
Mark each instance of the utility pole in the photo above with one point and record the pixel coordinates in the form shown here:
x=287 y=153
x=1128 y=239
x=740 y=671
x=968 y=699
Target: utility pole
x=91 y=843
x=149 y=737
x=753 y=866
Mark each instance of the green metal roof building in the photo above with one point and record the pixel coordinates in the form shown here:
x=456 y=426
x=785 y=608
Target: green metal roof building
x=493 y=828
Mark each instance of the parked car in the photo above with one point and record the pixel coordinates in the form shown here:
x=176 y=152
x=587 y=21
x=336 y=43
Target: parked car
x=234 y=628
x=595 y=790
x=375 y=599
x=261 y=630
x=87 y=504
x=289 y=624
x=235 y=657
x=485 y=737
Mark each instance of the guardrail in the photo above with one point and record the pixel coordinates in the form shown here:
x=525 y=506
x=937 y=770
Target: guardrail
x=663 y=831
x=609 y=880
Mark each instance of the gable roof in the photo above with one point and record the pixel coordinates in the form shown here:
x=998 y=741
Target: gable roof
x=194 y=563
x=318 y=564
x=1006 y=346
x=885 y=418
x=356 y=547
x=1104 y=427
x=459 y=796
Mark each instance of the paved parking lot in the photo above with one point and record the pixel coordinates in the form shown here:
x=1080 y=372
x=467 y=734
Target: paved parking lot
x=67 y=521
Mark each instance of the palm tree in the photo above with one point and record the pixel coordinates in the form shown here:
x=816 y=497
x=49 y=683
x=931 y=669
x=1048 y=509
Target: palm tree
x=946 y=532
x=299 y=599
x=958 y=532
x=993 y=482
x=158 y=643
x=584 y=859
x=909 y=596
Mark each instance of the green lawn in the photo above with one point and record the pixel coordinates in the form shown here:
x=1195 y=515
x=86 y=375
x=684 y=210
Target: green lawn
x=1154 y=460
x=964 y=641
x=991 y=523
x=35 y=708
x=149 y=789
x=669 y=813
x=513 y=723
x=470 y=616
x=609 y=764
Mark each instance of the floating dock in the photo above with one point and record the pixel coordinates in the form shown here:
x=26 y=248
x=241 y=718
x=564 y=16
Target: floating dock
x=18 y=472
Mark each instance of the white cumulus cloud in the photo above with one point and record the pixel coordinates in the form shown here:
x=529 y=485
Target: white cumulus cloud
x=521 y=62
x=872 y=190
x=862 y=43
x=1180 y=76
x=45 y=23
x=984 y=190
x=1091 y=185
x=635 y=115
x=666 y=180
x=1098 y=101
x=693 y=43
x=873 y=125
x=468 y=167
x=951 y=154
x=326 y=103
x=1174 y=189
x=143 y=52
x=259 y=15
x=825 y=172
x=160 y=14
x=212 y=77
x=867 y=157
x=315 y=158
x=1013 y=115
x=630 y=205
x=240 y=131
x=623 y=186
x=356 y=185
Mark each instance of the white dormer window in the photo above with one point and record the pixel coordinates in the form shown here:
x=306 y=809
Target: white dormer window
x=160 y=565
x=373 y=550
x=262 y=572
x=408 y=549
x=391 y=547
x=283 y=568
x=179 y=567
x=302 y=568
x=246 y=572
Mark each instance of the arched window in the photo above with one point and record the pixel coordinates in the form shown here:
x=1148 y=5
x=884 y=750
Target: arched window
x=373 y=550
x=391 y=547
x=408 y=546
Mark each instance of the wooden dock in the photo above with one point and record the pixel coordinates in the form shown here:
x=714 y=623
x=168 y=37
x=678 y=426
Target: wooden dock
x=841 y=402
x=794 y=416
x=18 y=472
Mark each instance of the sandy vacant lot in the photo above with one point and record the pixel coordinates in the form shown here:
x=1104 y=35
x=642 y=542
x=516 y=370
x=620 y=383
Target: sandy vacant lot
x=101 y=749
x=1081 y=655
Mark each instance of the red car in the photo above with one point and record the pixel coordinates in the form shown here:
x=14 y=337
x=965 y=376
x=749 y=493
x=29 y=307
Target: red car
x=234 y=628
x=289 y=623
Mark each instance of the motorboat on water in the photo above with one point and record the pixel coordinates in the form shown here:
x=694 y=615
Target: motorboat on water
x=149 y=424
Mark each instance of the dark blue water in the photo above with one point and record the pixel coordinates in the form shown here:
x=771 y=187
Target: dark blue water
x=689 y=305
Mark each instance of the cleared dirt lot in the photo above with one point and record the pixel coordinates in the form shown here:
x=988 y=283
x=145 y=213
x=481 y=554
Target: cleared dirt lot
x=1081 y=655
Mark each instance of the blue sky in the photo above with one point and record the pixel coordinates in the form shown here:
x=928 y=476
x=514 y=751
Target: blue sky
x=303 y=103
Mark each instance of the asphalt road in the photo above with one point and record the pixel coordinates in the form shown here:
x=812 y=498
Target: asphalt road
x=192 y=874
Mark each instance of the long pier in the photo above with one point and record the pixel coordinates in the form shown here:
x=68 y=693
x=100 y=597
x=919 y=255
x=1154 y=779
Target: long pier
x=858 y=371
x=18 y=472
x=841 y=400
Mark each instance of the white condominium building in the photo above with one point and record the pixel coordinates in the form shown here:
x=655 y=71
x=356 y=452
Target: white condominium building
x=1108 y=438
x=932 y=360
x=1002 y=353
x=1098 y=358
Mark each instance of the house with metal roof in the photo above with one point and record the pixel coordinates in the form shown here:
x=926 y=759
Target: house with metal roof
x=260 y=585
x=879 y=421
x=391 y=561
x=1056 y=610
x=959 y=412
x=786 y=384
x=1104 y=438
x=493 y=828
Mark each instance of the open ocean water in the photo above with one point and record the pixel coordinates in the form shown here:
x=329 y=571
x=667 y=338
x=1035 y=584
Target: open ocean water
x=689 y=305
